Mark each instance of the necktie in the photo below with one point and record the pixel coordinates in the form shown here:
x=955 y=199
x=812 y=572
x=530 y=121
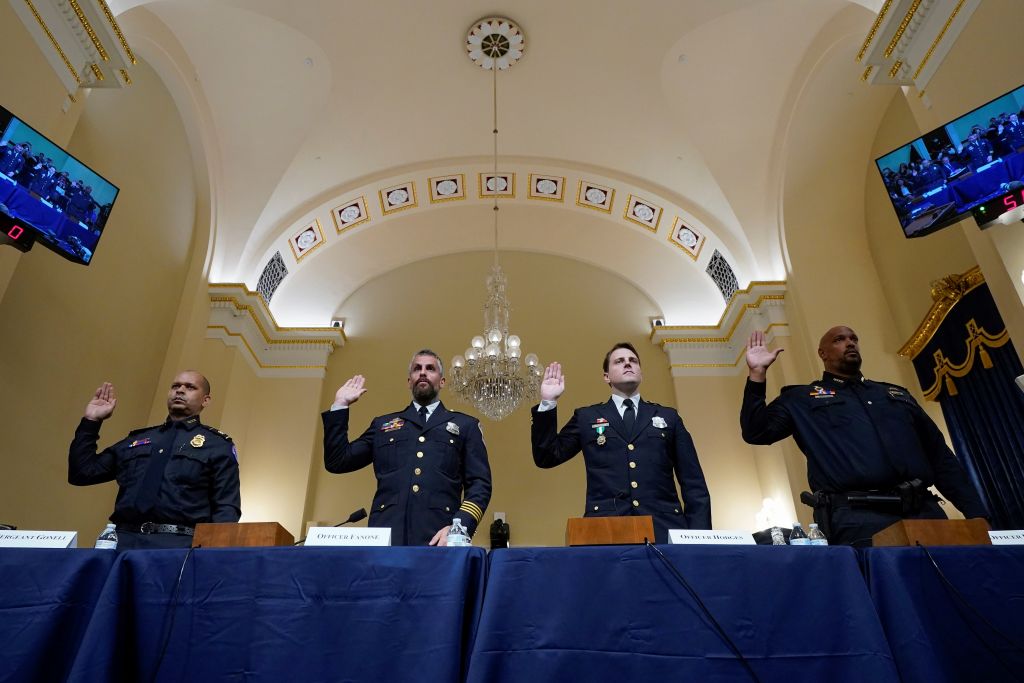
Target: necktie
x=628 y=415
x=423 y=414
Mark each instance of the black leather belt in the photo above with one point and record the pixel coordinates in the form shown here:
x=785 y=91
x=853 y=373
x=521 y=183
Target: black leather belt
x=154 y=528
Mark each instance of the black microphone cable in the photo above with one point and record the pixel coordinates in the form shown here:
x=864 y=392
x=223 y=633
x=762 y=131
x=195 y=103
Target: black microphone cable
x=718 y=627
x=963 y=601
x=354 y=517
x=166 y=639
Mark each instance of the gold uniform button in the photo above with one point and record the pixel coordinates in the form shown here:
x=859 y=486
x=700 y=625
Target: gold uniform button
x=415 y=488
x=630 y=447
x=451 y=440
x=636 y=503
x=419 y=454
x=633 y=484
x=382 y=506
x=676 y=510
x=632 y=465
x=595 y=508
x=418 y=471
x=422 y=439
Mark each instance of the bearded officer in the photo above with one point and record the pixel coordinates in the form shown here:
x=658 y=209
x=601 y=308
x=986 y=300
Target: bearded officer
x=430 y=463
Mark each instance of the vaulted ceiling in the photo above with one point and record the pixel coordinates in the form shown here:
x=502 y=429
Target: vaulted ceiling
x=299 y=108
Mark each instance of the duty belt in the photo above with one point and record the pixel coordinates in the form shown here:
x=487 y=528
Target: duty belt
x=154 y=528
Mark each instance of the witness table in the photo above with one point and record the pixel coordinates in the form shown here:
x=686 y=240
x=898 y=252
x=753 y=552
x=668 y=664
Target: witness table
x=286 y=614
x=934 y=636
x=617 y=614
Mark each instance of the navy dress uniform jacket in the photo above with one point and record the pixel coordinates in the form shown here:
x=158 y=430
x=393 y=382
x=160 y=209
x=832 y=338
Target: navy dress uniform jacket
x=630 y=474
x=859 y=435
x=426 y=475
x=200 y=481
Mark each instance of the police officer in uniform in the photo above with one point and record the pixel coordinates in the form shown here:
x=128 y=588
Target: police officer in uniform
x=871 y=450
x=430 y=463
x=632 y=449
x=170 y=476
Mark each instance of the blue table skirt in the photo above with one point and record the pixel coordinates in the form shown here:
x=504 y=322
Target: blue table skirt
x=617 y=614
x=934 y=637
x=47 y=598
x=287 y=614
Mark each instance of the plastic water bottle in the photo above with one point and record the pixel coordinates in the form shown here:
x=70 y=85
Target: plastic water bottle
x=107 y=539
x=798 y=536
x=816 y=536
x=778 y=538
x=457 y=535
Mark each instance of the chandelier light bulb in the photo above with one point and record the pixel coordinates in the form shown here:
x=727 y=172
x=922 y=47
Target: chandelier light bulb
x=458 y=362
x=513 y=341
x=494 y=335
x=532 y=360
x=514 y=352
x=478 y=342
x=471 y=354
x=492 y=351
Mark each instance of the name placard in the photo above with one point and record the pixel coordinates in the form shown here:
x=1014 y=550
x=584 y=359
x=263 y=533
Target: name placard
x=1010 y=537
x=23 y=538
x=356 y=536
x=714 y=537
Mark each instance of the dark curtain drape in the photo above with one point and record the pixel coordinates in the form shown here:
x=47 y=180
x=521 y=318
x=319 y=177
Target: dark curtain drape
x=969 y=366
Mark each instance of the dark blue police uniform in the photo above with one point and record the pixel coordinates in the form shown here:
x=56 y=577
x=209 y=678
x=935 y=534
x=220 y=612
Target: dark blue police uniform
x=629 y=473
x=860 y=436
x=426 y=473
x=170 y=477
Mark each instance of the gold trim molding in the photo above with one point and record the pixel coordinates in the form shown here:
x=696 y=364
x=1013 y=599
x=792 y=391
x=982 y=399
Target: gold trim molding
x=946 y=293
x=719 y=349
x=240 y=318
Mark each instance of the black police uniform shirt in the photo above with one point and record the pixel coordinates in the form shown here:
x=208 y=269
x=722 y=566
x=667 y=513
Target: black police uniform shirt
x=859 y=435
x=199 y=482
x=629 y=473
x=426 y=474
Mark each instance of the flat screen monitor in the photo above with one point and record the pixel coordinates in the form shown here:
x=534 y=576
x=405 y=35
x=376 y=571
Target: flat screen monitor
x=939 y=178
x=45 y=190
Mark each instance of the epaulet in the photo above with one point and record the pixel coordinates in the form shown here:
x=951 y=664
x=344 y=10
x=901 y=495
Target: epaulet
x=144 y=429
x=217 y=432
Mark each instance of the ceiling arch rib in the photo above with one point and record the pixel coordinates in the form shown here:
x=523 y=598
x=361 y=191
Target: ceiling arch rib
x=617 y=226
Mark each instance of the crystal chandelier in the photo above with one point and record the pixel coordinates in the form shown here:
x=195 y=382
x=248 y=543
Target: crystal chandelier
x=493 y=375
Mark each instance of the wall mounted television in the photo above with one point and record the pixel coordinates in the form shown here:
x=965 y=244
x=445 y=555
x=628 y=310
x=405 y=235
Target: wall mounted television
x=958 y=168
x=48 y=194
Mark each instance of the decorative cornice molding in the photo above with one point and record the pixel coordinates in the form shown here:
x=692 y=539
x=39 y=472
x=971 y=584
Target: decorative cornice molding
x=946 y=293
x=909 y=39
x=695 y=350
x=240 y=318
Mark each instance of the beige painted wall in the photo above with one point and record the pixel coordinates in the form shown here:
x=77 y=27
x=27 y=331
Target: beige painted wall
x=65 y=328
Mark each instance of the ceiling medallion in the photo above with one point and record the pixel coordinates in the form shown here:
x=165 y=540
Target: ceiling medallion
x=495 y=40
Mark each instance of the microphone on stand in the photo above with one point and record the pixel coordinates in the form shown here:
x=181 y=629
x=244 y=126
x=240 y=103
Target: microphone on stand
x=354 y=517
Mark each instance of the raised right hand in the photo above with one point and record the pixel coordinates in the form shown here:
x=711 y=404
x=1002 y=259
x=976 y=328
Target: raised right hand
x=759 y=356
x=350 y=391
x=553 y=384
x=102 y=404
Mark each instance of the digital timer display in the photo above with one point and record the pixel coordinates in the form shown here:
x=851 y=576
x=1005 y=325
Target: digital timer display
x=14 y=234
x=996 y=209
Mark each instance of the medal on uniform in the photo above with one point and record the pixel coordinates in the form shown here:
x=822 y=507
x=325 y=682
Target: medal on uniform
x=600 y=425
x=197 y=441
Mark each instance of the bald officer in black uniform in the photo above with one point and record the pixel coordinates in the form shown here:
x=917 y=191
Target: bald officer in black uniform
x=631 y=447
x=871 y=450
x=430 y=463
x=170 y=476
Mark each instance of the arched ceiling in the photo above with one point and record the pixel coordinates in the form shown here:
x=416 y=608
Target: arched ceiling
x=309 y=103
